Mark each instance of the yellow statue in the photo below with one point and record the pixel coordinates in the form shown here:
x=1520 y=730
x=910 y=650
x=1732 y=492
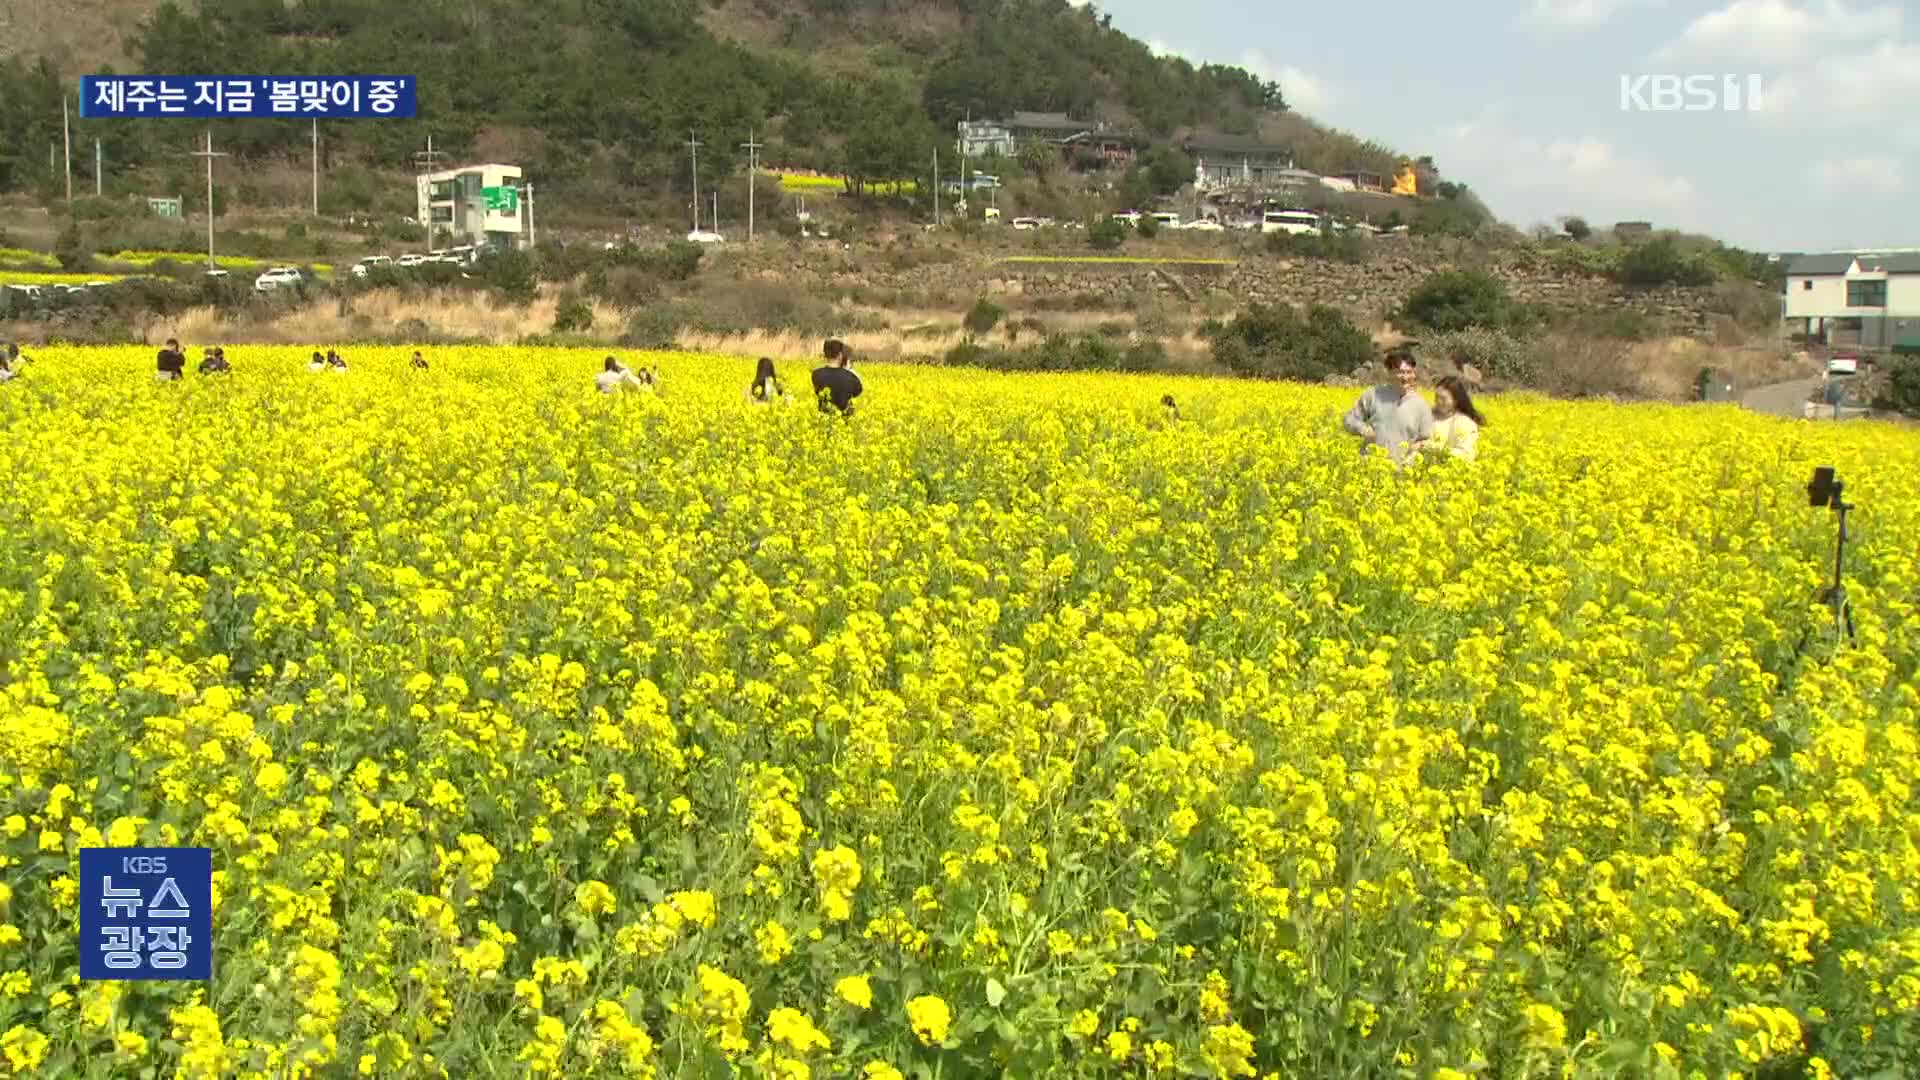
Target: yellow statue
x=1404 y=181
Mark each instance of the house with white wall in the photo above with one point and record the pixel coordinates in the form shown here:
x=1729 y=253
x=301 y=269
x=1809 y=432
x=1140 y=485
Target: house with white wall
x=1854 y=299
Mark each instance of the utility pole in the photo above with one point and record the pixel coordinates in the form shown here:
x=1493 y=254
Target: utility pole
x=694 y=144
x=936 y=187
x=209 y=155
x=66 y=138
x=753 y=176
x=530 y=233
x=316 y=167
x=425 y=160
x=96 y=167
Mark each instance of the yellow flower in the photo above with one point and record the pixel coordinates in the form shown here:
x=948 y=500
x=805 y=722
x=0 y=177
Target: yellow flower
x=24 y=1048
x=1084 y=1024
x=1543 y=1028
x=129 y=1046
x=856 y=991
x=595 y=898
x=930 y=1018
x=1229 y=1049
x=1119 y=1046
x=880 y=1070
x=792 y=1027
x=775 y=945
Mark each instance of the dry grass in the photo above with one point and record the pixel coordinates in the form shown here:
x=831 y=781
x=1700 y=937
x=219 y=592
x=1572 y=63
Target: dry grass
x=1663 y=369
x=447 y=314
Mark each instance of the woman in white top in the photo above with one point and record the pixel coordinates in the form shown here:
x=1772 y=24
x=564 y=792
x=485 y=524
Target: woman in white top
x=1456 y=423
x=767 y=387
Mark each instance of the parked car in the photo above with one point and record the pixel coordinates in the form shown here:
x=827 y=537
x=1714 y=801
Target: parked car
x=705 y=236
x=216 y=272
x=1167 y=220
x=1204 y=225
x=276 y=277
x=371 y=263
x=407 y=261
x=1130 y=218
x=1024 y=224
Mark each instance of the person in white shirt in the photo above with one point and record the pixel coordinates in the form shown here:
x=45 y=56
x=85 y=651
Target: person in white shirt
x=1456 y=429
x=318 y=363
x=614 y=378
x=767 y=387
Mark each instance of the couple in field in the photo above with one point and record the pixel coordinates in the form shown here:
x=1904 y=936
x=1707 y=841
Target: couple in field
x=1394 y=417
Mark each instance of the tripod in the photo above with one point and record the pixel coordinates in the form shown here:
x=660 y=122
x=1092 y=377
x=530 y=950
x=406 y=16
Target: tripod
x=1835 y=595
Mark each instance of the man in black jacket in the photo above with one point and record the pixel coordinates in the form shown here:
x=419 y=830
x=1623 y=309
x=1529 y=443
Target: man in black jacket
x=173 y=362
x=834 y=383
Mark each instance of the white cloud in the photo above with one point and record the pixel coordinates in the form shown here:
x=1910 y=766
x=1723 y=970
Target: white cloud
x=1774 y=32
x=1526 y=177
x=1872 y=173
x=1303 y=90
x=1872 y=91
x=1575 y=13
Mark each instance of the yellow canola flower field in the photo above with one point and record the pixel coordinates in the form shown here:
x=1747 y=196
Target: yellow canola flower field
x=1004 y=729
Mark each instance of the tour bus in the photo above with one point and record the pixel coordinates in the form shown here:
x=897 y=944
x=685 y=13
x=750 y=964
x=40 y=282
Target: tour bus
x=1297 y=222
x=1167 y=220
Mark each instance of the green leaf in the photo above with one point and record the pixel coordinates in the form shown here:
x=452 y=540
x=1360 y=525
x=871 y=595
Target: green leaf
x=995 y=993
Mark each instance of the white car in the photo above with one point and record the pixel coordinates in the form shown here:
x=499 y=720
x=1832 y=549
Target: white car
x=1208 y=225
x=371 y=262
x=411 y=260
x=1023 y=224
x=276 y=277
x=705 y=236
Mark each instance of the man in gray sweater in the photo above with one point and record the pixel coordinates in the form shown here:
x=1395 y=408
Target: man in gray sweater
x=1392 y=416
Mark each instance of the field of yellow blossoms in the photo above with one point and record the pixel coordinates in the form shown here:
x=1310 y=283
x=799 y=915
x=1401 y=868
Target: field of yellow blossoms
x=1006 y=729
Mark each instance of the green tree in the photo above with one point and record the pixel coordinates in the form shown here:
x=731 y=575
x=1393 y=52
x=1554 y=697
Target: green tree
x=1277 y=342
x=1458 y=300
x=1107 y=234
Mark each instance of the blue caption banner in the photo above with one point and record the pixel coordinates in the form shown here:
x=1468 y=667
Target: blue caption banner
x=205 y=97
x=146 y=913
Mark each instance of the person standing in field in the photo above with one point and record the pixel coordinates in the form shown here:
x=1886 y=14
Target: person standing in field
x=1456 y=429
x=1391 y=416
x=172 y=362
x=767 y=387
x=419 y=362
x=614 y=378
x=14 y=359
x=335 y=362
x=834 y=382
x=7 y=372
x=318 y=363
x=215 y=363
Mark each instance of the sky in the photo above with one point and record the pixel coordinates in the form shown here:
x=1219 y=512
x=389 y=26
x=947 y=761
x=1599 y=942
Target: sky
x=1522 y=100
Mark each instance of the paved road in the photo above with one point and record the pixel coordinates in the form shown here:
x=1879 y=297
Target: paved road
x=1786 y=399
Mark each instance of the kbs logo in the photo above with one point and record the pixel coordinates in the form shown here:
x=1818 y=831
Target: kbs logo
x=1690 y=93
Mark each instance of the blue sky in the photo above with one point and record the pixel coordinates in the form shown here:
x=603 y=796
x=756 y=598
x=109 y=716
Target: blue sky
x=1521 y=100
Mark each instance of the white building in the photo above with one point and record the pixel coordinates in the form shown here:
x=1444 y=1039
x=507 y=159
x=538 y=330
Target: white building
x=477 y=204
x=1863 y=300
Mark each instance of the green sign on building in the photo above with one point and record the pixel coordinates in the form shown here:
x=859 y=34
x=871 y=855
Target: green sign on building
x=502 y=200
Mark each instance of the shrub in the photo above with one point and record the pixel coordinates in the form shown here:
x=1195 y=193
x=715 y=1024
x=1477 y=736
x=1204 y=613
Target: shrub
x=1107 y=235
x=1062 y=352
x=1458 y=300
x=573 y=316
x=510 y=273
x=1902 y=392
x=1342 y=247
x=1499 y=354
x=1661 y=262
x=73 y=251
x=651 y=328
x=1148 y=228
x=1577 y=227
x=983 y=317
x=1276 y=342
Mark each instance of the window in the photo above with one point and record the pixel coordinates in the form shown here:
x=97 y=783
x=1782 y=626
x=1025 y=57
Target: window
x=442 y=191
x=442 y=215
x=1867 y=294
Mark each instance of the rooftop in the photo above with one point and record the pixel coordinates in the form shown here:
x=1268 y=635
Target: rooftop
x=1235 y=144
x=1837 y=262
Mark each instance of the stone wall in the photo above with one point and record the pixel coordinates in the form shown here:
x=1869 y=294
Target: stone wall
x=1366 y=290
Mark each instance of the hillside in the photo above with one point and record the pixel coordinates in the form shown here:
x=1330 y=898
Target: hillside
x=596 y=97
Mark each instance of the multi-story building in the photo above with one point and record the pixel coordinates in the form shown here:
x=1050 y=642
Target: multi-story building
x=476 y=204
x=1854 y=299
